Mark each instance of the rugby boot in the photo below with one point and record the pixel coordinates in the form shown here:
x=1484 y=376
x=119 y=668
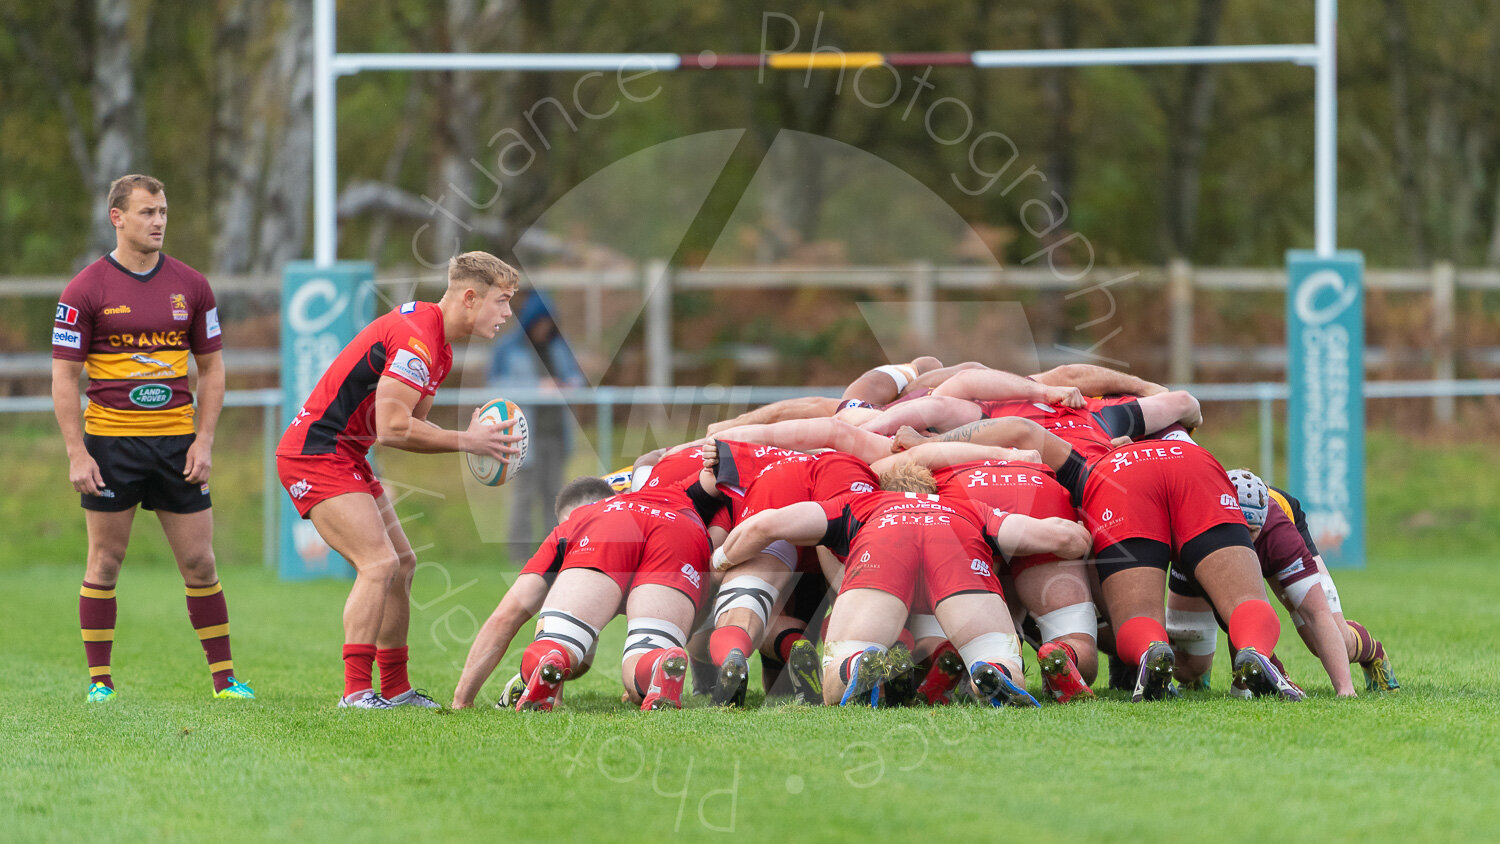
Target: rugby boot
x=665 y=691
x=541 y=690
x=1121 y=674
x=943 y=677
x=512 y=692
x=704 y=675
x=901 y=677
x=235 y=691
x=866 y=677
x=1380 y=675
x=100 y=693
x=1153 y=678
x=366 y=699
x=806 y=673
x=416 y=698
x=1258 y=674
x=993 y=684
x=733 y=674
x=1060 y=675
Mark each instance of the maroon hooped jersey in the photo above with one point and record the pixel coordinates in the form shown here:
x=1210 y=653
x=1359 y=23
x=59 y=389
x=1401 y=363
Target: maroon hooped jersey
x=407 y=344
x=134 y=334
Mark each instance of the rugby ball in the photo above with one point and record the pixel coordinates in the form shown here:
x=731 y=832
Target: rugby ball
x=492 y=472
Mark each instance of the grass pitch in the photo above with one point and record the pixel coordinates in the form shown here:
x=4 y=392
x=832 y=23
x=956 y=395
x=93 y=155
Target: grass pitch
x=166 y=761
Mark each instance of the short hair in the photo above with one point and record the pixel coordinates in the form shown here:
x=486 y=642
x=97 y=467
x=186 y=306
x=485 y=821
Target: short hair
x=482 y=269
x=580 y=491
x=121 y=189
x=908 y=477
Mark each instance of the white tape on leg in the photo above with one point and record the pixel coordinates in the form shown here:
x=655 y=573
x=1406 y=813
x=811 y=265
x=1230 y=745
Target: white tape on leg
x=925 y=626
x=1194 y=633
x=648 y=634
x=567 y=630
x=1080 y=619
x=746 y=592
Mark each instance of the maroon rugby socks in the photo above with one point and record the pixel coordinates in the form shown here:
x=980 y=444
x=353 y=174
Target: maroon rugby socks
x=96 y=617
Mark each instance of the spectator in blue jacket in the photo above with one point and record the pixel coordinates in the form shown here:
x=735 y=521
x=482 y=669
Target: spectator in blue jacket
x=537 y=356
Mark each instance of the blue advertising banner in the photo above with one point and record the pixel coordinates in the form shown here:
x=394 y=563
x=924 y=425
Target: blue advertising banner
x=1325 y=316
x=322 y=309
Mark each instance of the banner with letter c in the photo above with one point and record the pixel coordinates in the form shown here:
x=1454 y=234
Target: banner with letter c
x=1325 y=316
x=322 y=309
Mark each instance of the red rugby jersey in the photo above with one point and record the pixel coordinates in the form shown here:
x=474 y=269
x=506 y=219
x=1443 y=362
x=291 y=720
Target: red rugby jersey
x=134 y=334
x=407 y=344
x=621 y=520
x=1079 y=428
x=852 y=512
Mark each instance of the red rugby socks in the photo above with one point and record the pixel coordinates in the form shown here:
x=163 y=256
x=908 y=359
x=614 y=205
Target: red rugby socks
x=359 y=663
x=392 y=664
x=726 y=639
x=1137 y=634
x=209 y=615
x=1253 y=624
x=532 y=656
x=96 y=617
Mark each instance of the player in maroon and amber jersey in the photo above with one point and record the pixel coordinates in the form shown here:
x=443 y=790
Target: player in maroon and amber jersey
x=895 y=544
x=380 y=389
x=130 y=321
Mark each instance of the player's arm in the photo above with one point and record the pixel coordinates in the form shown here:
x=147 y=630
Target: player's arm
x=210 y=391
x=999 y=385
x=83 y=472
x=1020 y=535
x=803 y=523
x=397 y=426
x=1176 y=407
x=812 y=434
x=929 y=413
x=520 y=605
x=1326 y=639
x=807 y=407
x=1092 y=380
x=936 y=455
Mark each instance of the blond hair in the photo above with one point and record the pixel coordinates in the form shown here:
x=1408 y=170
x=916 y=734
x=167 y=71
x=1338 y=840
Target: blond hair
x=481 y=269
x=121 y=189
x=909 y=477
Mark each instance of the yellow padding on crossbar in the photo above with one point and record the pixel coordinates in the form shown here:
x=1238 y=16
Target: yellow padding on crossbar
x=98 y=635
x=91 y=592
x=204 y=591
x=823 y=61
x=213 y=631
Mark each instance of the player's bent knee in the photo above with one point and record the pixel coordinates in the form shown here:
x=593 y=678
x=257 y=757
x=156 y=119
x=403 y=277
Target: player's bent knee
x=746 y=593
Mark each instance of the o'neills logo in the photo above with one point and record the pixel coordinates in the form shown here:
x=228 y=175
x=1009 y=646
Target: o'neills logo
x=150 y=396
x=117 y=310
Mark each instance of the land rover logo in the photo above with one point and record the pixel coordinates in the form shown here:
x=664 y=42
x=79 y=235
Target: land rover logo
x=151 y=395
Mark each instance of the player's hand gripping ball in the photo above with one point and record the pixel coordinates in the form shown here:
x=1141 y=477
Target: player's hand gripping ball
x=492 y=472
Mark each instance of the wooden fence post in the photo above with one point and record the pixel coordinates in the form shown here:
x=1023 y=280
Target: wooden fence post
x=1443 y=352
x=656 y=287
x=1180 y=313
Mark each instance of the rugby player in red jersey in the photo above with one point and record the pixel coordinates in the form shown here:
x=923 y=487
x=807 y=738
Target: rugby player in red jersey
x=663 y=468
x=380 y=389
x=759 y=477
x=648 y=549
x=130 y=321
x=895 y=543
x=1150 y=505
